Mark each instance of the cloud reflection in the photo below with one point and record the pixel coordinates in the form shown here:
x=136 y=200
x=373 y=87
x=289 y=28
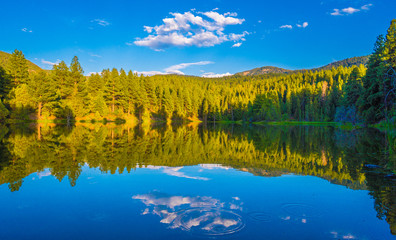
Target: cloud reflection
x=175 y=171
x=200 y=215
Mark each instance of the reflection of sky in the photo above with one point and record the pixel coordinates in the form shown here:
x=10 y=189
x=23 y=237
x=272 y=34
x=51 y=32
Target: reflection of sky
x=286 y=207
x=213 y=166
x=44 y=173
x=204 y=214
x=175 y=171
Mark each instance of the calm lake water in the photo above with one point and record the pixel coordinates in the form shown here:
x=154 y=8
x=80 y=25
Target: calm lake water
x=195 y=182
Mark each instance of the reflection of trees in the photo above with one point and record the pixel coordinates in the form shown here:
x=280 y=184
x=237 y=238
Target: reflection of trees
x=332 y=154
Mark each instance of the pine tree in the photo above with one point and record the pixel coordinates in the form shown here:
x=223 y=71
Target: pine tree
x=353 y=87
x=42 y=90
x=371 y=101
x=79 y=98
x=3 y=112
x=390 y=45
x=122 y=91
x=61 y=78
x=132 y=86
x=167 y=104
x=18 y=69
x=5 y=83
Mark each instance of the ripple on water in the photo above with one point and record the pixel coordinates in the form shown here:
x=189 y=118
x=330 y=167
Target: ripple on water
x=302 y=210
x=260 y=216
x=209 y=221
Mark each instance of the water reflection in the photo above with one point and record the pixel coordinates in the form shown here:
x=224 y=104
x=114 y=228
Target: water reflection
x=175 y=171
x=197 y=215
x=360 y=159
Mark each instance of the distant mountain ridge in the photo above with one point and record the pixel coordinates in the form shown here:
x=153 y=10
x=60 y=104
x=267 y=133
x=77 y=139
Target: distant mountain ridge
x=4 y=58
x=349 y=62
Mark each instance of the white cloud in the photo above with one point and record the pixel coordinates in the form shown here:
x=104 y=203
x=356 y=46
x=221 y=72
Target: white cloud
x=216 y=75
x=350 y=10
x=101 y=22
x=237 y=45
x=50 y=63
x=149 y=73
x=26 y=30
x=366 y=7
x=95 y=55
x=90 y=73
x=200 y=29
x=231 y=14
x=286 y=26
x=174 y=69
x=336 y=12
x=304 y=25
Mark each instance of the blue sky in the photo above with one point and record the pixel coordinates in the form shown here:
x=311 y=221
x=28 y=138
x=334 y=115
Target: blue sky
x=209 y=37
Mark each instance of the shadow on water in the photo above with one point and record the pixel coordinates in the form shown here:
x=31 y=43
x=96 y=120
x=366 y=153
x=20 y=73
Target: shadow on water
x=360 y=159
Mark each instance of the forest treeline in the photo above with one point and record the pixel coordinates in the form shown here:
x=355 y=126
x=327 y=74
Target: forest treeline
x=345 y=94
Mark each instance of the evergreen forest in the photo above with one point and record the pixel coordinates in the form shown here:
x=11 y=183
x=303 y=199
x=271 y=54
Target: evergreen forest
x=357 y=94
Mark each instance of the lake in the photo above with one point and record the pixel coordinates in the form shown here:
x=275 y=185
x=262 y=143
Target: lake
x=96 y=181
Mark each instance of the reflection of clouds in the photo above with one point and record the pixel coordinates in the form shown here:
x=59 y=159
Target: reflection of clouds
x=44 y=173
x=348 y=236
x=235 y=207
x=219 y=221
x=175 y=171
x=213 y=166
x=337 y=235
x=164 y=200
x=199 y=214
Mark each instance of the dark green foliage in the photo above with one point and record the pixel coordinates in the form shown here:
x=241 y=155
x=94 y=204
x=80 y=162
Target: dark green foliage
x=379 y=93
x=372 y=98
x=3 y=112
x=5 y=83
x=390 y=45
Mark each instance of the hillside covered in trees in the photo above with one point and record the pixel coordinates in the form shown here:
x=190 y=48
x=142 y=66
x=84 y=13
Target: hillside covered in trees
x=349 y=62
x=353 y=94
x=5 y=62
